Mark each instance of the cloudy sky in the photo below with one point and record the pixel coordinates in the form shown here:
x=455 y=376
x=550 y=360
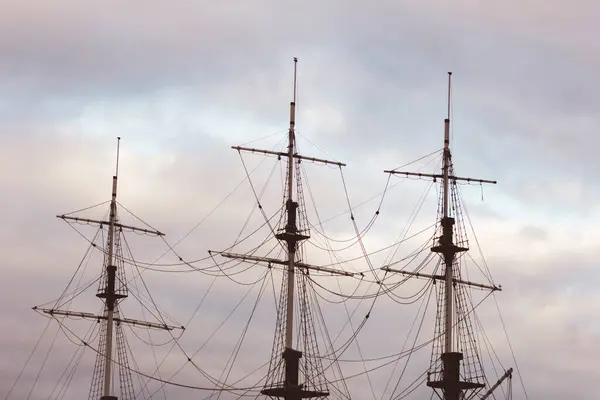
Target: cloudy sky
x=183 y=81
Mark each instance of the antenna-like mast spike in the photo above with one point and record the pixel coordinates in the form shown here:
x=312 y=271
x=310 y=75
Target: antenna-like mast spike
x=295 y=69
x=118 y=147
x=449 y=92
x=293 y=109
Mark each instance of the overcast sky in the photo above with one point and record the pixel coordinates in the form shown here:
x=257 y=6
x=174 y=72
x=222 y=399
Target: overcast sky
x=182 y=81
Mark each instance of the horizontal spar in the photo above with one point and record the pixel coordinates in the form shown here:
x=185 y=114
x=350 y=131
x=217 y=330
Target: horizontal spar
x=282 y=154
x=268 y=260
x=102 y=317
x=117 y=225
x=441 y=278
x=507 y=374
x=439 y=176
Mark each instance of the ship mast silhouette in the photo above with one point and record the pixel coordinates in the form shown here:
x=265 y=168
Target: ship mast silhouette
x=112 y=290
x=285 y=383
x=445 y=373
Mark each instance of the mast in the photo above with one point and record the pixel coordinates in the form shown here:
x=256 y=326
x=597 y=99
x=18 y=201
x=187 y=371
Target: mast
x=292 y=235
x=109 y=294
x=448 y=254
x=102 y=384
x=449 y=379
x=451 y=383
x=291 y=227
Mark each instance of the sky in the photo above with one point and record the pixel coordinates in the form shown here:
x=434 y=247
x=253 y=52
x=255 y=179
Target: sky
x=181 y=82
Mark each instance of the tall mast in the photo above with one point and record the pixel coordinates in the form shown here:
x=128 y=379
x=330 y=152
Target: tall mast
x=448 y=256
x=449 y=380
x=291 y=227
x=109 y=294
x=288 y=385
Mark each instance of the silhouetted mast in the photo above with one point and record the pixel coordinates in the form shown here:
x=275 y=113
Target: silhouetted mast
x=292 y=236
x=109 y=292
x=111 y=268
x=452 y=384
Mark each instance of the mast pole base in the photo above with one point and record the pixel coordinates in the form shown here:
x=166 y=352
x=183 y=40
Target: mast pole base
x=291 y=388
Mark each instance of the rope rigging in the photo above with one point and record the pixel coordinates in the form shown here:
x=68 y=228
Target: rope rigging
x=310 y=291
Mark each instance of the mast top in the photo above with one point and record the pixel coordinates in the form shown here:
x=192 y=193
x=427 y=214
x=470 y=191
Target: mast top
x=447 y=123
x=295 y=64
x=449 y=92
x=118 y=147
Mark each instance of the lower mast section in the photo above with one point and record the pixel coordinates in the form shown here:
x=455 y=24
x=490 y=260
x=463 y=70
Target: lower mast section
x=451 y=384
x=291 y=388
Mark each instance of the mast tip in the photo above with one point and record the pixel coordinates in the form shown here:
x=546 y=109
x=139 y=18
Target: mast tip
x=449 y=72
x=118 y=148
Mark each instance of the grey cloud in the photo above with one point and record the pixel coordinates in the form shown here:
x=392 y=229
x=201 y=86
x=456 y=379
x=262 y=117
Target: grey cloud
x=533 y=233
x=383 y=80
x=153 y=46
x=498 y=78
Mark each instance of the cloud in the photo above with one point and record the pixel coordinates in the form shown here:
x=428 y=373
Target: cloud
x=182 y=83
x=190 y=290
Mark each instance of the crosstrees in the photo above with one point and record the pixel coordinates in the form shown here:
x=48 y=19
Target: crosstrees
x=451 y=178
x=293 y=234
x=268 y=260
x=86 y=315
x=107 y=223
x=443 y=277
x=453 y=383
x=282 y=154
